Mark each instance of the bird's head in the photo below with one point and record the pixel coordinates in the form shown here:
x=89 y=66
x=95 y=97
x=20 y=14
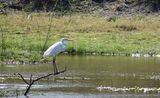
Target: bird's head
x=65 y=40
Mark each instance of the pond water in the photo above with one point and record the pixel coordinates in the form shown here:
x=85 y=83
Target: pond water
x=86 y=76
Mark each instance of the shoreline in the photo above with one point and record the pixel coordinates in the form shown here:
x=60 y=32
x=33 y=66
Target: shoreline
x=43 y=61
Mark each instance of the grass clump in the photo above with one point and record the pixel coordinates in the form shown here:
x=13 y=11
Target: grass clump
x=25 y=38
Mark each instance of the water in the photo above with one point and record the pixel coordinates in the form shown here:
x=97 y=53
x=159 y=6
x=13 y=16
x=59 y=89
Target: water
x=86 y=76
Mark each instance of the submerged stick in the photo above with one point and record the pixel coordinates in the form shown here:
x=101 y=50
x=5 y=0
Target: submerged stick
x=32 y=81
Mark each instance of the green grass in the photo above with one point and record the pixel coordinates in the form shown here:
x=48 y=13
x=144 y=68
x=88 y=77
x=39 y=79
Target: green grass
x=24 y=39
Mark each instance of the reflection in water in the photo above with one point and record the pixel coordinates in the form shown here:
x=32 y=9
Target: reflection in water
x=91 y=76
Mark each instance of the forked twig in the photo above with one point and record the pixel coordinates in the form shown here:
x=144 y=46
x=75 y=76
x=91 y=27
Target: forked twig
x=32 y=81
x=23 y=78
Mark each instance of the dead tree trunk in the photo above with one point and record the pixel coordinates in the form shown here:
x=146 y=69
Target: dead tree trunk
x=32 y=81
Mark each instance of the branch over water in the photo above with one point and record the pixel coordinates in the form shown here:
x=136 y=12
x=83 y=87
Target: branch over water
x=32 y=81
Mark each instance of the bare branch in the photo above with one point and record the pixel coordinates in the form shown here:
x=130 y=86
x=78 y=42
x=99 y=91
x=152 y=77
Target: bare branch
x=23 y=78
x=30 y=78
x=49 y=75
x=31 y=81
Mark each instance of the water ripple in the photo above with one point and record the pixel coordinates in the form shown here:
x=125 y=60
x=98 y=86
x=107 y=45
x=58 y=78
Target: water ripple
x=129 y=90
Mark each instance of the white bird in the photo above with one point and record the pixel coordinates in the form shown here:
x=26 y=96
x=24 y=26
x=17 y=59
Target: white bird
x=29 y=17
x=55 y=49
x=136 y=55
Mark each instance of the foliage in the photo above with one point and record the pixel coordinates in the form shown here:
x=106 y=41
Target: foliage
x=25 y=38
x=2 y=5
x=83 y=5
x=49 y=5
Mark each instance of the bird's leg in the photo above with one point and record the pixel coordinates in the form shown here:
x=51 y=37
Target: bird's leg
x=54 y=65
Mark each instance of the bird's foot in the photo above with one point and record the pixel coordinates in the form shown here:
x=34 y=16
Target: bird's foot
x=56 y=72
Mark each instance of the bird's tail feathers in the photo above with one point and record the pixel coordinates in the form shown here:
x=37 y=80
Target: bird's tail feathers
x=45 y=56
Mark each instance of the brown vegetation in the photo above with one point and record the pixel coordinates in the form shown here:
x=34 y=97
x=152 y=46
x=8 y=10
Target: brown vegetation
x=109 y=7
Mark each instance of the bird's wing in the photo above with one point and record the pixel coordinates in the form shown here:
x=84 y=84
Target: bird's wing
x=54 y=49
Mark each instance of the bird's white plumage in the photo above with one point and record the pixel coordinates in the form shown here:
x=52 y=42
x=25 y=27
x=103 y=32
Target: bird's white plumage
x=56 y=48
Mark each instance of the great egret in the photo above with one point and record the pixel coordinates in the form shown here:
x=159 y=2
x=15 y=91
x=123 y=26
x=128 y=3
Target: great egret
x=55 y=49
